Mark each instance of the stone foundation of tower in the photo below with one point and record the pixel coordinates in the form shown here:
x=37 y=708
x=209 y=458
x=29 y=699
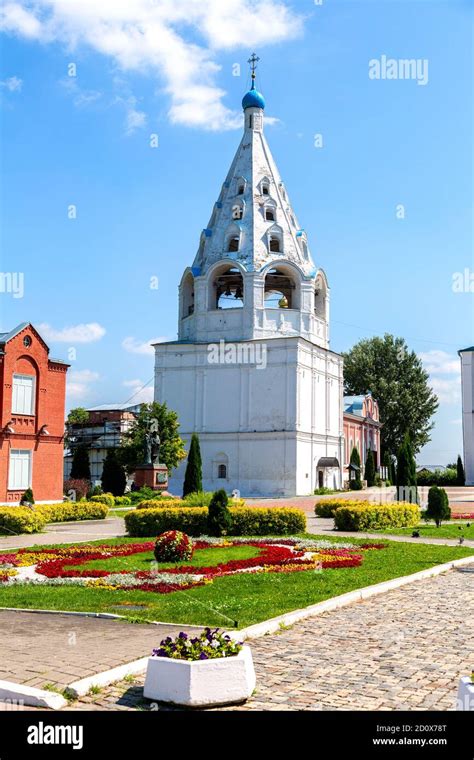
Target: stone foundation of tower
x=266 y=412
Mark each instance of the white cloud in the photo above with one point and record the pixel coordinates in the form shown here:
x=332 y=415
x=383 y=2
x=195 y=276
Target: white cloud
x=79 y=382
x=134 y=119
x=83 y=333
x=440 y=362
x=140 y=395
x=147 y=36
x=80 y=96
x=134 y=346
x=448 y=391
x=13 y=84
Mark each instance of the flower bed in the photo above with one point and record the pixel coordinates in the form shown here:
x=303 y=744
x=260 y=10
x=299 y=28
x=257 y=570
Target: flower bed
x=65 y=565
x=465 y=516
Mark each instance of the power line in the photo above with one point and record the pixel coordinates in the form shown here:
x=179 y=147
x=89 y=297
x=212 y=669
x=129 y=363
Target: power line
x=139 y=390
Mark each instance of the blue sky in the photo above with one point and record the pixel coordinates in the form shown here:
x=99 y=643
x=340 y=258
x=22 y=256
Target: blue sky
x=167 y=68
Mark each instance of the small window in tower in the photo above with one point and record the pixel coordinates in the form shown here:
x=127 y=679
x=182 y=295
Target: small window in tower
x=241 y=189
x=269 y=215
x=250 y=121
x=275 y=244
x=222 y=472
x=237 y=211
x=233 y=245
x=265 y=190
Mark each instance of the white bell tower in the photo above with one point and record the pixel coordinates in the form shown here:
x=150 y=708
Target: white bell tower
x=251 y=372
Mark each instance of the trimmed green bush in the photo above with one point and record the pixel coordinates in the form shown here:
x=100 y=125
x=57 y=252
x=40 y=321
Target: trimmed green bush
x=104 y=498
x=369 y=472
x=219 y=520
x=113 y=478
x=328 y=507
x=193 y=475
x=376 y=516
x=448 y=477
x=438 y=505
x=68 y=511
x=146 y=494
x=14 y=520
x=355 y=484
x=122 y=501
x=203 y=499
x=165 y=503
x=28 y=497
x=246 y=521
x=267 y=521
x=152 y=522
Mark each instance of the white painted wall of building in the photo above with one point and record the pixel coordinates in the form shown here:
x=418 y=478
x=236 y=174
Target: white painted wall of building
x=467 y=375
x=270 y=424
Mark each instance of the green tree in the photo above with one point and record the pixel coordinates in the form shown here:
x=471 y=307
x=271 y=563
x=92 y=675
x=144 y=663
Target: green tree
x=28 y=497
x=80 y=468
x=460 y=474
x=369 y=471
x=193 y=474
x=355 y=483
x=219 y=519
x=438 y=505
x=78 y=416
x=396 y=377
x=406 y=473
x=131 y=452
x=113 y=475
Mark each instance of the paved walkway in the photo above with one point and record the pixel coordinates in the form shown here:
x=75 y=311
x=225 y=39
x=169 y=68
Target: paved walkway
x=404 y=650
x=67 y=533
x=44 y=648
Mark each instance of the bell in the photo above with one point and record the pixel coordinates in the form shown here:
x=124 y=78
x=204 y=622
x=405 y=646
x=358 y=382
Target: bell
x=228 y=291
x=283 y=302
x=238 y=292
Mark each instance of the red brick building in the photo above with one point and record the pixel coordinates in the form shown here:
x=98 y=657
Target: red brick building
x=32 y=395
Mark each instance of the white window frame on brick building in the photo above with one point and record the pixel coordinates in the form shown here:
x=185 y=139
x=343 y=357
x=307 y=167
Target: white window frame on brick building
x=20 y=469
x=23 y=394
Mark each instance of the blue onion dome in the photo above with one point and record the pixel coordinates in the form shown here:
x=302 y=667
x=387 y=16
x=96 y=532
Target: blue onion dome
x=253 y=99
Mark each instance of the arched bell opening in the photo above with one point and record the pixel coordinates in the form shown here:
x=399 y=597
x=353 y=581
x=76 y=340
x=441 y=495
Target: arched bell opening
x=187 y=296
x=227 y=289
x=281 y=289
x=320 y=297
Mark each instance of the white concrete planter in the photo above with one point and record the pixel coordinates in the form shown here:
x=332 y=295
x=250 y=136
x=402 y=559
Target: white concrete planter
x=201 y=683
x=465 y=700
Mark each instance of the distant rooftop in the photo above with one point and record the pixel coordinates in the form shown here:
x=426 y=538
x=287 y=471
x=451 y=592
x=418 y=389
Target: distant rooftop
x=114 y=408
x=353 y=404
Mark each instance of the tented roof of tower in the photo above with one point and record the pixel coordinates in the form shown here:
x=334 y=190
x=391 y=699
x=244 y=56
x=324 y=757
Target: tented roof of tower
x=253 y=208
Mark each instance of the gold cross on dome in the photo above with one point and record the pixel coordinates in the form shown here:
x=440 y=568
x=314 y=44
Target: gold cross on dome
x=253 y=60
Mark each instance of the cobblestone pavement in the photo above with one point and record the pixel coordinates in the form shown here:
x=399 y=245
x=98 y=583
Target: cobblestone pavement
x=41 y=648
x=403 y=650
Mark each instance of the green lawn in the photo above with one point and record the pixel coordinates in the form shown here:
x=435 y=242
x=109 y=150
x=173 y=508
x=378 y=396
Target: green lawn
x=120 y=511
x=141 y=561
x=453 y=529
x=242 y=599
